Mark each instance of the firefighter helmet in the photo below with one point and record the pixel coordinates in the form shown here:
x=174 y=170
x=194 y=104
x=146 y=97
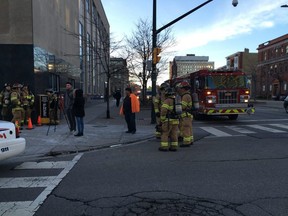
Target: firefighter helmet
x=7 y=84
x=16 y=85
x=183 y=84
x=169 y=92
x=164 y=86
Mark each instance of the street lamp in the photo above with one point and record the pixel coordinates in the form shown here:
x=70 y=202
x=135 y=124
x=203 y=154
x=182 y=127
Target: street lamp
x=155 y=31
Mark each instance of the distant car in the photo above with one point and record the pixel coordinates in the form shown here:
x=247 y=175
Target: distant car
x=10 y=142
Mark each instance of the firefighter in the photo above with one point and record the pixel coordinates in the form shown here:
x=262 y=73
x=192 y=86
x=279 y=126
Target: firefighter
x=185 y=124
x=157 y=103
x=53 y=106
x=27 y=98
x=17 y=110
x=5 y=103
x=170 y=122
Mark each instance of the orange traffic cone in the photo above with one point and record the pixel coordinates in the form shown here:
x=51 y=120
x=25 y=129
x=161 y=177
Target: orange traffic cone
x=30 y=126
x=39 y=122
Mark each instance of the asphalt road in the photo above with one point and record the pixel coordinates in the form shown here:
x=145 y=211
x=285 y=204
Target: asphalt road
x=239 y=174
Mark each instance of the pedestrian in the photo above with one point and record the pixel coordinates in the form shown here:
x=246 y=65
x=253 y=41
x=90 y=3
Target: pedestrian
x=5 y=103
x=68 y=107
x=130 y=106
x=117 y=96
x=79 y=112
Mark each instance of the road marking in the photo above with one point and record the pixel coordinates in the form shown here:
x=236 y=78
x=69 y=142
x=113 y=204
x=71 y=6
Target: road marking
x=215 y=132
x=44 y=165
x=240 y=130
x=260 y=127
x=28 y=208
x=280 y=126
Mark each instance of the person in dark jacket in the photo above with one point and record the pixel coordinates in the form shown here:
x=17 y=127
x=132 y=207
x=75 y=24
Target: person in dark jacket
x=117 y=96
x=78 y=110
x=68 y=106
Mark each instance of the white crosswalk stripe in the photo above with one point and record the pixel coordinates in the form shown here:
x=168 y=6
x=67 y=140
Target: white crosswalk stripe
x=29 y=207
x=227 y=131
x=215 y=131
x=268 y=129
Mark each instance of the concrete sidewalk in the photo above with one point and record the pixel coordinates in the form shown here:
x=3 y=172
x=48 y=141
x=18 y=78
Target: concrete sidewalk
x=99 y=132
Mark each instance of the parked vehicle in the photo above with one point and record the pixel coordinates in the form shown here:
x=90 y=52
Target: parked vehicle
x=10 y=143
x=286 y=104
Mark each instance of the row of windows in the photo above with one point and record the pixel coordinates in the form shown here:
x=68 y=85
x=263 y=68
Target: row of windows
x=274 y=53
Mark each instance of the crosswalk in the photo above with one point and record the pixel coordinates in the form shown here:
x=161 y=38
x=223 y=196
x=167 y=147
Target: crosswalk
x=43 y=184
x=232 y=130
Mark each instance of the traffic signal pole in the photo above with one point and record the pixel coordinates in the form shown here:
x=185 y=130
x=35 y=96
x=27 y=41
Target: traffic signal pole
x=154 y=46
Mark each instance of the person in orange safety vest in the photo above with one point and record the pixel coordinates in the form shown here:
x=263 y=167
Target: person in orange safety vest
x=130 y=106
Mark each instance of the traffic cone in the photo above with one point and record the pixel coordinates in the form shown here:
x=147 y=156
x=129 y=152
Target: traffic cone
x=30 y=126
x=39 y=121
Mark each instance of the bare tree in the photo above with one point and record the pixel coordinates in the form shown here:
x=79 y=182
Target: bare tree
x=139 y=45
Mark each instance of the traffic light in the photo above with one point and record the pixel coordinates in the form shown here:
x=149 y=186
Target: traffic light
x=156 y=57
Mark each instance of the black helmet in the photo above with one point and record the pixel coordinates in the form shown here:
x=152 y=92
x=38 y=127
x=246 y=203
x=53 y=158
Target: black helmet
x=7 y=84
x=169 y=91
x=164 y=86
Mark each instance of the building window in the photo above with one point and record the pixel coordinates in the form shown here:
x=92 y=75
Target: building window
x=88 y=6
x=287 y=49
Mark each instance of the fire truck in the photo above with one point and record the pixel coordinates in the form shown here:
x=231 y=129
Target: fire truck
x=219 y=92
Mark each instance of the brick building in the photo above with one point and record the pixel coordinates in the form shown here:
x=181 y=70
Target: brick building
x=272 y=72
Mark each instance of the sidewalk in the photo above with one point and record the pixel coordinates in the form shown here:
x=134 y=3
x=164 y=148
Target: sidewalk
x=99 y=132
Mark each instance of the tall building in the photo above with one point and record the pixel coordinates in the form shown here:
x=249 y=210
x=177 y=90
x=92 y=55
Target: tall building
x=45 y=43
x=182 y=65
x=119 y=75
x=272 y=73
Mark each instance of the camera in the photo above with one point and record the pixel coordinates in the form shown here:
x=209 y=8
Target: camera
x=235 y=3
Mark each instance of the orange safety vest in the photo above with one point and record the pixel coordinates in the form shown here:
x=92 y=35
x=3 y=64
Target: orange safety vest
x=135 y=104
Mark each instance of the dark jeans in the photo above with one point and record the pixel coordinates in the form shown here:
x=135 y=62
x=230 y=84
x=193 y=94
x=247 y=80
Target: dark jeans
x=71 y=119
x=80 y=124
x=130 y=120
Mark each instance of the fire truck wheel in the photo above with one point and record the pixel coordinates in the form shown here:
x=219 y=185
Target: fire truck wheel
x=233 y=117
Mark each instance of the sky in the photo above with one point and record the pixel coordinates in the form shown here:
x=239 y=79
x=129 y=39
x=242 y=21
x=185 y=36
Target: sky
x=216 y=30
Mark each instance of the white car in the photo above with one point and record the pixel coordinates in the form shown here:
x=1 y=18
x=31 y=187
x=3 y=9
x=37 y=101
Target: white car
x=10 y=143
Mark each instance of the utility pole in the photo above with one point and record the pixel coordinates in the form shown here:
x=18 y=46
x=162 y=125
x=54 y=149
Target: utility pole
x=154 y=46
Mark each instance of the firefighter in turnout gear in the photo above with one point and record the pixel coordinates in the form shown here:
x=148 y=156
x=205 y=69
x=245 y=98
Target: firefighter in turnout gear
x=185 y=124
x=170 y=122
x=27 y=98
x=17 y=110
x=157 y=103
x=5 y=103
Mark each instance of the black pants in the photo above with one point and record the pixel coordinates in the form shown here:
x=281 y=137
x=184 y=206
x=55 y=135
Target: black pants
x=117 y=102
x=130 y=120
x=71 y=119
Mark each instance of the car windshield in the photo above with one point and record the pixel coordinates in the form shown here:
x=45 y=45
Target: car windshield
x=224 y=82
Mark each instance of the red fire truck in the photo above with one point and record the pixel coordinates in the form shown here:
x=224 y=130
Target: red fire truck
x=219 y=92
